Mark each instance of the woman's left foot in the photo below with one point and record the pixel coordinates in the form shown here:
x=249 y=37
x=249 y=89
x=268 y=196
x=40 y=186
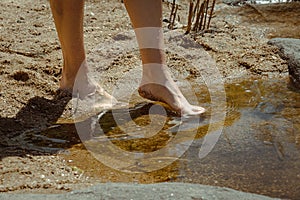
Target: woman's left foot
x=157 y=85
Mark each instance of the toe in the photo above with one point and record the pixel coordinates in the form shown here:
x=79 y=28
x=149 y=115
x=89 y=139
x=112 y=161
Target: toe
x=198 y=109
x=193 y=111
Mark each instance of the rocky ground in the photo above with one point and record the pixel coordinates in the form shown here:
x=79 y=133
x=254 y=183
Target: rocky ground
x=31 y=62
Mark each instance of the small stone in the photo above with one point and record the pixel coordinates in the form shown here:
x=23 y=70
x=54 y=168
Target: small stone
x=59 y=187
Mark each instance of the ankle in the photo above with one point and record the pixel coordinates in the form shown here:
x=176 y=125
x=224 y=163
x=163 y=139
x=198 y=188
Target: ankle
x=66 y=82
x=155 y=70
x=70 y=72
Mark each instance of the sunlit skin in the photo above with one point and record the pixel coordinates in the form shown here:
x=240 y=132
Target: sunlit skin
x=156 y=83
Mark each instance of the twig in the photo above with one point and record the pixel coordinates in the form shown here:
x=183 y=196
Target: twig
x=196 y=8
x=189 y=26
x=171 y=15
x=211 y=13
x=206 y=10
x=174 y=16
x=201 y=12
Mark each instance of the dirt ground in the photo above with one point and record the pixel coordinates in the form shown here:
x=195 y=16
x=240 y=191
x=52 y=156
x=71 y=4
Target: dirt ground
x=30 y=70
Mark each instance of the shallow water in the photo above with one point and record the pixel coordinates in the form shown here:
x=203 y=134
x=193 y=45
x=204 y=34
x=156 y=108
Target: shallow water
x=258 y=151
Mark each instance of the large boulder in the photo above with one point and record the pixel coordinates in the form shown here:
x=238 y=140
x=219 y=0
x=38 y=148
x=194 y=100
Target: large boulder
x=290 y=51
x=165 y=191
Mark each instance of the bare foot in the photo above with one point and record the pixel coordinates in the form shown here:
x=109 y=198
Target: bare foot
x=157 y=85
x=92 y=97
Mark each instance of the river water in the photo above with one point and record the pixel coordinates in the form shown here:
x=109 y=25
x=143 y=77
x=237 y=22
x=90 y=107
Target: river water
x=258 y=150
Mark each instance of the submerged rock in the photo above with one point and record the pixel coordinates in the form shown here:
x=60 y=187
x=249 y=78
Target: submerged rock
x=290 y=51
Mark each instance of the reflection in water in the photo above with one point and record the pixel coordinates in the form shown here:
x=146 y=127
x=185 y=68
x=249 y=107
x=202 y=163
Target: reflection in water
x=259 y=150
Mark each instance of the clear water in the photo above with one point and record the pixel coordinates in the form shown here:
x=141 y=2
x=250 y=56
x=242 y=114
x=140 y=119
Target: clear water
x=258 y=151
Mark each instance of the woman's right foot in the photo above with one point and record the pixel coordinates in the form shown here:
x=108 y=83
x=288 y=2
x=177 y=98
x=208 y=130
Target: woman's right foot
x=91 y=97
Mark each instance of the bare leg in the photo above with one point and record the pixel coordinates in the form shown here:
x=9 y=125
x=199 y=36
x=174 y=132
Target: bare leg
x=157 y=83
x=68 y=17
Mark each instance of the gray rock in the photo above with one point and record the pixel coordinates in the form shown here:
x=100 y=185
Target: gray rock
x=163 y=191
x=290 y=51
